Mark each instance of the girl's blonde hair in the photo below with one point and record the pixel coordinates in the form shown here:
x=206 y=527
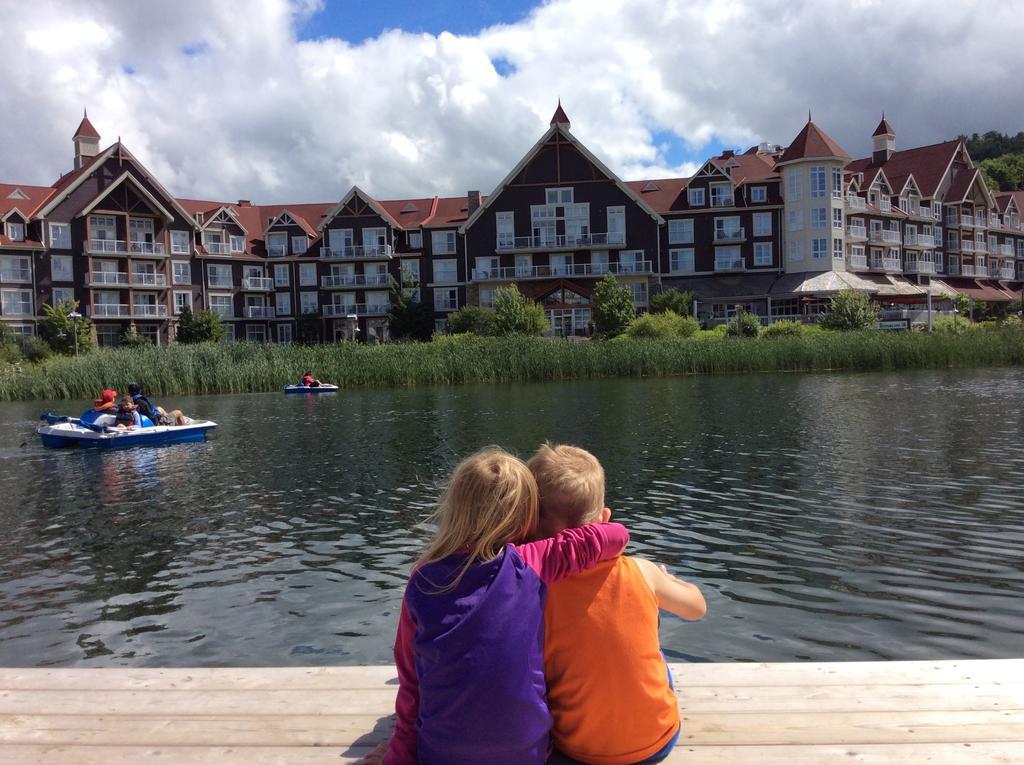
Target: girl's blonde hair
x=491 y=500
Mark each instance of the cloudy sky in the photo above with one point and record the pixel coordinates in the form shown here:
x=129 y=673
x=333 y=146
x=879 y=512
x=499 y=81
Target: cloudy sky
x=296 y=100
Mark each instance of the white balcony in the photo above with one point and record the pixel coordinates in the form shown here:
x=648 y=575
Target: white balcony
x=223 y=311
x=980 y=247
x=857 y=261
x=1006 y=250
x=146 y=248
x=257 y=283
x=143 y=279
x=967 y=245
x=106 y=279
x=885 y=235
x=259 y=312
x=22 y=275
x=730 y=235
x=110 y=311
x=966 y=270
x=722 y=201
x=148 y=311
x=341 y=281
x=182 y=279
x=560 y=241
x=218 y=248
x=515 y=273
x=723 y=266
x=953 y=269
x=356 y=252
x=886 y=264
x=856 y=232
x=952 y=219
x=277 y=250
x=967 y=221
x=106 y=246
x=919 y=240
x=855 y=202
x=885 y=205
x=981 y=271
x=221 y=283
x=1007 y=272
x=356 y=309
x=446 y=305
x=920 y=267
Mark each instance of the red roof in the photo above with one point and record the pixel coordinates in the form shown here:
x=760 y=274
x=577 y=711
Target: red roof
x=926 y=163
x=37 y=195
x=85 y=129
x=1003 y=200
x=667 y=197
x=812 y=142
x=559 y=117
x=884 y=128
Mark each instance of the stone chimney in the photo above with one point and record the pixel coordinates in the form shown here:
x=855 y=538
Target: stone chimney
x=473 y=202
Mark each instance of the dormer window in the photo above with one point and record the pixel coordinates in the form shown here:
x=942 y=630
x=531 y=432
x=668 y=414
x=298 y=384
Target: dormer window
x=237 y=243
x=696 y=197
x=16 y=231
x=558 y=196
x=758 y=194
x=904 y=204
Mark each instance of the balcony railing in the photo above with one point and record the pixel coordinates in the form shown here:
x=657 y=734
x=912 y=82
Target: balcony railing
x=952 y=219
x=257 y=283
x=722 y=201
x=920 y=267
x=919 y=240
x=855 y=202
x=967 y=245
x=953 y=269
x=561 y=241
x=106 y=279
x=110 y=311
x=446 y=305
x=967 y=221
x=1006 y=250
x=981 y=271
x=885 y=235
x=16 y=275
x=220 y=282
x=358 y=309
x=223 y=311
x=511 y=273
x=885 y=205
x=181 y=279
x=980 y=247
x=107 y=246
x=856 y=232
x=218 y=248
x=146 y=248
x=886 y=264
x=357 y=252
x=147 y=311
x=277 y=250
x=1006 y=272
x=259 y=312
x=729 y=235
x=966 y=270
x=356 y=280
x=857 y=261
x=143 y=279
x=729 y=265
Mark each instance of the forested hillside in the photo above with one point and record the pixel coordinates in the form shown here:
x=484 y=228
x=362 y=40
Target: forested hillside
x=1000 y=158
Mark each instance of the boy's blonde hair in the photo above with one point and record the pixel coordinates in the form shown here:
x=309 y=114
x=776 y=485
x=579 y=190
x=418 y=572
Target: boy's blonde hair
x=491 y=500
x=571 y=484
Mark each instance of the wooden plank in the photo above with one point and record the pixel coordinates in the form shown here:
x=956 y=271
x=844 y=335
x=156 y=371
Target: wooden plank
x=346 y=730
x=180 y=755
x=354 y=678
x=381 y=701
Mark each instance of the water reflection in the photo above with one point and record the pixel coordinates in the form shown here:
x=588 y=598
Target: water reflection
x=826 y=517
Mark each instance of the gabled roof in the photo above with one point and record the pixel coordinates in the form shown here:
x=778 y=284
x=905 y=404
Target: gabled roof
x=582 y=150
x=210 y=215
x=127 y=177
x=884 y=128
x=664 y=198
x=401 y=210
x=1006 y=199
x=928 y=165
x=450 y=211
x=85 y=128
x=30 y=197
x=560 y=117
x=373 y=204
x=288 y=216
x=812 y=143
x=963 y=183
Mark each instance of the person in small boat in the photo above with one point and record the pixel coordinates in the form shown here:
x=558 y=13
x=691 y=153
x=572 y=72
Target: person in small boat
x=309 y=381
x=127 y=415
x=105 y=404
x=157 y=414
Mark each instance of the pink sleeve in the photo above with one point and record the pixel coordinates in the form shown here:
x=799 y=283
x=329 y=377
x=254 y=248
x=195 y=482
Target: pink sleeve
x=574 y=550
x=402 y=747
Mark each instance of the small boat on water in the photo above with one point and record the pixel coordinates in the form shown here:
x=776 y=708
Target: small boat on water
x=322 y=388
x=60 y=432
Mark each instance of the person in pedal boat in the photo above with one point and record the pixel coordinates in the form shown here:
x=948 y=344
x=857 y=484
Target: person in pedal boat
x=309 y=381
x=127 y=416
x=157 y=414
x=105 y=404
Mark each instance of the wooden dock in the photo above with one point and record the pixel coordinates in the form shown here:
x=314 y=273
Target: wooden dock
x=939 y=712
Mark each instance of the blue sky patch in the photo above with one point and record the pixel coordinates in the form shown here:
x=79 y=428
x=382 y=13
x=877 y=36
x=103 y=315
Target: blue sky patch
x=195 y=49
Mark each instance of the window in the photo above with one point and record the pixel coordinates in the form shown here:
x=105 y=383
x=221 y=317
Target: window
x=284 y=333
x=794 y=185
x=445 y=272
x=442 y=242
x=721 y=195
x=307 y=274
x=446 y=299
x=219 y=276
x=904 y=204
x=181 y=272
x=680 y=231
x=632 y=262
x=237 y=243
x=616 y=225
x=283 y=303
x=599 y=262
x=277 y=245
x=796 y=220
x=108 y=335
x=410 y=272
x=558 y=196
x=837 y=183
x=308 y=302
x=728 y=259
x=681 y=260
x=695 y=197
x=441 y=326
x=837 y=248
x=762 y=253
x=728 y=230
x=762 y=224
x=487 y=297
x=415 y=240
x=60 y=236
x=255 y=333
x=61 y=268
x=819 y=248
x=817 y=181
x=486 y=267
x=837 y=218
x=182 y=300
x=281 y=277
x=61 y=294
x=638 y=291
x=796 y=250
x=758 y=193
x=300 y=244
x=179 y=243
x=222 y=305
x=505 y=222
x=819 y=217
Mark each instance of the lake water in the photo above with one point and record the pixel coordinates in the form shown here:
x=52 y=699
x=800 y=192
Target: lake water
x=826 y=517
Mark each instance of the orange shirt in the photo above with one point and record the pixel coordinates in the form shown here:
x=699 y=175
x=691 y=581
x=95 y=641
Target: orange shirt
x=608 y=687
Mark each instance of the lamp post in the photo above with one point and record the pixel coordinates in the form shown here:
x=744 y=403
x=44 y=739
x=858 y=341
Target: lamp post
x=75 y=316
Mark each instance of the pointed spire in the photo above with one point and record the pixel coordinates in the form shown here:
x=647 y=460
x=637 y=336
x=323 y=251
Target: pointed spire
x=560 y=118
x=884 y=128
x=85 y=128
x=813 y=142
x=809 y=115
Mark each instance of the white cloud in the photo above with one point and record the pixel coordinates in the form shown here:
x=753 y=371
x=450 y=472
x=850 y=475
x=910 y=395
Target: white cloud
x=228 y=103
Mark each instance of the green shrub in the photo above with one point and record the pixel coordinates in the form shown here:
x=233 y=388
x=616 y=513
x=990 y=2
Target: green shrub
x=10 y=353
x=59 y=331
x=613 y=307
x=666 y=324
x=784 y=328
x=130 y=338
x=472 y=318
x=851 y=310
x=676 y=301
x=743 y=325
x=516 y=314
x=199 y=327
x=35 y=348
x=1013 y=322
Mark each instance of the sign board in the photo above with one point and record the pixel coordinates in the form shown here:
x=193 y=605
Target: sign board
x=894 y=325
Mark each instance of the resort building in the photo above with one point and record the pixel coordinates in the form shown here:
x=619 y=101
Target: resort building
x=773 y=230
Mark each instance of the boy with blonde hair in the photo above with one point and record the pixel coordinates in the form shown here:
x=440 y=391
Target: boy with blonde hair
x=609 y=689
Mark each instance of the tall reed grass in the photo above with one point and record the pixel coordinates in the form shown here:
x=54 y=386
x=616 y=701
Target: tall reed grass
x=249 y=368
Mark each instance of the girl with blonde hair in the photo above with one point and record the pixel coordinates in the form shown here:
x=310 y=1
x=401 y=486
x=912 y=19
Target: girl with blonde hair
x=469 y=649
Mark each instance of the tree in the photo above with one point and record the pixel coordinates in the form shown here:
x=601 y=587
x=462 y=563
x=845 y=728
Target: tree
x=850 y=310
x=131 y=338
x=59 y=330
x=516 y=314
x=676 y=301
x=199 y=327
x=472 y=318
x=409 y=319
x=744 y=324
x=613 y=307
